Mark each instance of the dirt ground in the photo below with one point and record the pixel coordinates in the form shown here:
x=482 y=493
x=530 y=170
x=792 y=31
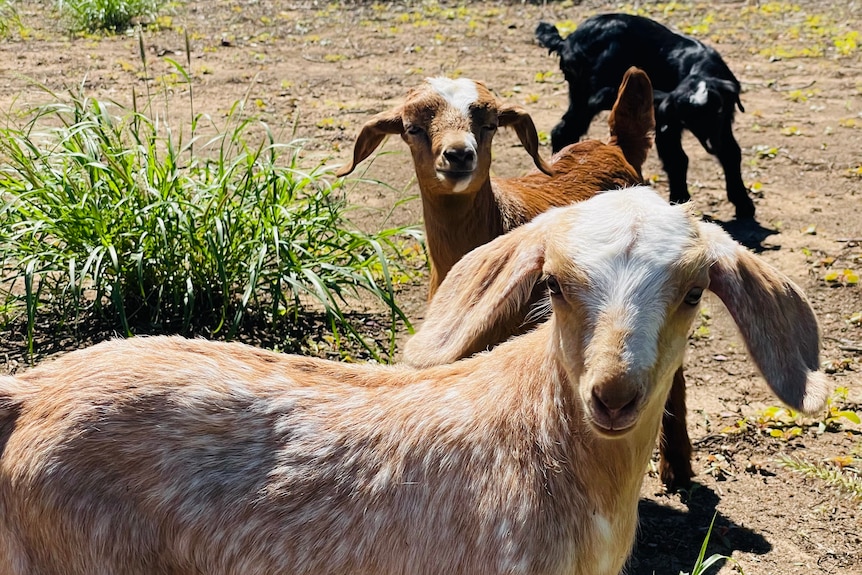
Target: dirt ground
x=318 y=70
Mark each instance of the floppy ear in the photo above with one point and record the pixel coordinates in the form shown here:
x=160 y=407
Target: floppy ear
x=723 y=85
x=728 y=89
x=518 y=118
x=371 y=135
x=483 y=299
x=775 y=319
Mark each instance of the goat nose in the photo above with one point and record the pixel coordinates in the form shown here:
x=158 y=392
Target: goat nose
x=460 y=157
x=615 y=405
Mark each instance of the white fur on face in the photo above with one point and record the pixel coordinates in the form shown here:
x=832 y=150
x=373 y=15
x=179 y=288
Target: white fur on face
x=460 y=93
x=630 y=264
x=700 y=97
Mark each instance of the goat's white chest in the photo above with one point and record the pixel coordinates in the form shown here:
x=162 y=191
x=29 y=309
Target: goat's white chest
x=605 y=551
x=604 y=535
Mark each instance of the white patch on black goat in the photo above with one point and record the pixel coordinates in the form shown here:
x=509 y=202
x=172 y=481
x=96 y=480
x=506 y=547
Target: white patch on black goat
x=700 y=97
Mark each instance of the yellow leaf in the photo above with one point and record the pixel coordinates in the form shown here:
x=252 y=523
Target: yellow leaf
x=843 y=460
x=851 y=416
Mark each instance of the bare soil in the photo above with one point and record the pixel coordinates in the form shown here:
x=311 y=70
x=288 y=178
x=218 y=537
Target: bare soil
x=318 y=70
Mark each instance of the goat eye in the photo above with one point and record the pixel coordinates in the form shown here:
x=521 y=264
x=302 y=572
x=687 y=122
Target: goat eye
x=490 y=127
x=693 y=296
x=553 y=286
x=413 y=129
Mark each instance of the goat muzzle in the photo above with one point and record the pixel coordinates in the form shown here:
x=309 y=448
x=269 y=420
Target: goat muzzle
x=614 y=405
x=457 y=162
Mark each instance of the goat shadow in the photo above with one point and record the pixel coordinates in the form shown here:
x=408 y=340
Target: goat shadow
x=748 y=232
x=669 y=540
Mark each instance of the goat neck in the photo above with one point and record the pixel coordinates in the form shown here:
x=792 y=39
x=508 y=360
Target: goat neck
x=456 y=224
x=606 y=489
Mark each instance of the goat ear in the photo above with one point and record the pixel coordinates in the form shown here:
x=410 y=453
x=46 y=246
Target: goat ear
x=482 y=300
x=517 y=118
x=632 y=119
x=775 y=319
x=371 y=135
x=723 y=85
x=728 y=88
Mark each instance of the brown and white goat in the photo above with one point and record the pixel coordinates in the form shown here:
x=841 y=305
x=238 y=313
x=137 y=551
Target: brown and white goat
x=449 y=125
x=169 y=455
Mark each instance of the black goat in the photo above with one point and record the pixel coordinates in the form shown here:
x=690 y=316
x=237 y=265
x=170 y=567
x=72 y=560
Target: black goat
x=693 y=89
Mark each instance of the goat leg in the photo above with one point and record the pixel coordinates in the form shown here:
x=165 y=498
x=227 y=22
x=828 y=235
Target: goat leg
x=675 y=447
x=668 y=143
x=730 y=157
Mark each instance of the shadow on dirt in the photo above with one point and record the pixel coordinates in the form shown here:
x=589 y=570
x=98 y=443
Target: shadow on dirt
x=748 y=232
x=667 y=536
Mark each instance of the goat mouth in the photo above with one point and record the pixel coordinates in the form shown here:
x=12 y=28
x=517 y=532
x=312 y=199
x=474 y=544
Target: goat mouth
x=611 y=431
x=454 y=174
x=616 y=424
x=613 y=414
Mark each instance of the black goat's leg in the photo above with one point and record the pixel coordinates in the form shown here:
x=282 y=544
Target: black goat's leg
x=730 y=157
x=573 y=125
x=668 y=142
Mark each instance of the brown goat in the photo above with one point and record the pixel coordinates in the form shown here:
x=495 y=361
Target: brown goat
x=181 y=457
x=449 y=125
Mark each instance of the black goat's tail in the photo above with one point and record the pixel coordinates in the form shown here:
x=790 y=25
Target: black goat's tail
x=549 y=37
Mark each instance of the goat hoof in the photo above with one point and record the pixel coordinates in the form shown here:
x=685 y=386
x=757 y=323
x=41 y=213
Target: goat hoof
x=675 y=480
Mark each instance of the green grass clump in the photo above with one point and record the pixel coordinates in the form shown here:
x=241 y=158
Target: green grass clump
x=8 y=18
x=107 y=211
x=107 y=15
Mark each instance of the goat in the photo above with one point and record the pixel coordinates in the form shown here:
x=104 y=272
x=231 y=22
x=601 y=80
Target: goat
x=694 y=90
x=449 y=126
x=170 y=455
